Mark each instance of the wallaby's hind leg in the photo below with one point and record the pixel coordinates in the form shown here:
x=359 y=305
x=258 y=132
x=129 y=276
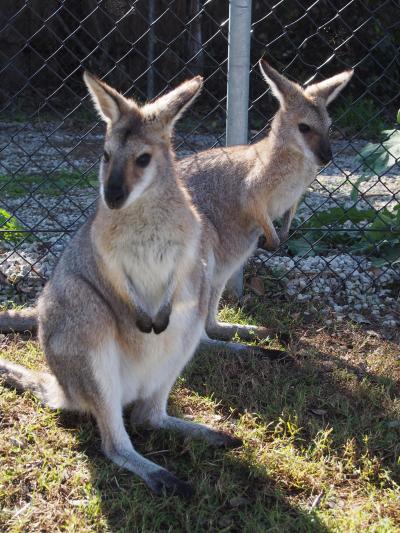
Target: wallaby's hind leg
x=153 y=414
x=225 y=330
x=105 y=404
x=243 y=349
x=117 y=446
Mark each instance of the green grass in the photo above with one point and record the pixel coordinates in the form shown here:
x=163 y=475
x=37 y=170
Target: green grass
x=321 y=442
x=10 y=226
x=361 y=118
x=22 y=184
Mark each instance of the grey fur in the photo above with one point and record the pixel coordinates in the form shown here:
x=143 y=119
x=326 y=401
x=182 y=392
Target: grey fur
x=241 y=190
x=126 y=305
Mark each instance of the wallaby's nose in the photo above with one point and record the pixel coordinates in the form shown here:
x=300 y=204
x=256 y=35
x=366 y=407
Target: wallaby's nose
x=114 y=196
x=325 y=153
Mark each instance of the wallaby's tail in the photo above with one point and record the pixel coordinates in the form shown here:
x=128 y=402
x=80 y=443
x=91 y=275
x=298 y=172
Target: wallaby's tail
x=19 y=321
x=43 y=385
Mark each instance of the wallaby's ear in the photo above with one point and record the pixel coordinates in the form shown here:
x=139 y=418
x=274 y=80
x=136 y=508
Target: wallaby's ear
x=108 y=102
x=330 y=88
x=282 y=88
x=169 y=107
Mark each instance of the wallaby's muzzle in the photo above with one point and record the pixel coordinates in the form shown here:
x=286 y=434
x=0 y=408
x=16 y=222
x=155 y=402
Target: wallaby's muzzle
x=115 y=193
x=324 y=152
x=114 y=197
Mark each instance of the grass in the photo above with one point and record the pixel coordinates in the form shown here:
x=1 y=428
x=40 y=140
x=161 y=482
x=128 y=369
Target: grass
x=320 y=430
x=23 y=184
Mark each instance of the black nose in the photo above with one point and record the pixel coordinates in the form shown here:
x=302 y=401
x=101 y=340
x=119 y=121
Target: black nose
x=325 y=156
x=114 y=196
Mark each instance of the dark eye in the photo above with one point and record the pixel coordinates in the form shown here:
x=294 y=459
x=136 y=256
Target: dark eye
x=304 y=128
x=143 y=160
x=106 y=157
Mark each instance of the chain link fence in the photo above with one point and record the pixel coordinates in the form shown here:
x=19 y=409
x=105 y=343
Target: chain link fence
x=345 y=240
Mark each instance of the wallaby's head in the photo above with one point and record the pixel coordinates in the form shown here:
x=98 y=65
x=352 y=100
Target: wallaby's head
x=302 y=119
x=137 y=147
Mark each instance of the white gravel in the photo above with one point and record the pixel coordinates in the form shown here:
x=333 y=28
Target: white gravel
x=350 y=285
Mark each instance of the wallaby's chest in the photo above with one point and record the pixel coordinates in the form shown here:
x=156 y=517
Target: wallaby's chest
x=149 y=262
x=289 y=191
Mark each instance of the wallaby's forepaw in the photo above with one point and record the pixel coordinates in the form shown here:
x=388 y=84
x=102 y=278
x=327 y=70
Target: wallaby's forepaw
x=283 y=235
x=160 y=323
x=162 y=480
x=224 y=440
x=144 y=323
x=272 y=243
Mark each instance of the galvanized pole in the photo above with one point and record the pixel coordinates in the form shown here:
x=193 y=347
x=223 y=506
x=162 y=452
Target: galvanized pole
x=238 y=90
x=150 y=51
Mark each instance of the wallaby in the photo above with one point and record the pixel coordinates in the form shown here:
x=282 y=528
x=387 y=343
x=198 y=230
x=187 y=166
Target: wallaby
x=127 y=302
x=241 y=190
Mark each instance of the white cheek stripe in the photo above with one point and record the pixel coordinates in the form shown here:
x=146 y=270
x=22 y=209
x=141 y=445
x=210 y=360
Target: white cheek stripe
x=141 y=186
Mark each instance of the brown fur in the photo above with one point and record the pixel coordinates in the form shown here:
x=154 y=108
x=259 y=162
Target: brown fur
x=127 y=303
x=242 y=190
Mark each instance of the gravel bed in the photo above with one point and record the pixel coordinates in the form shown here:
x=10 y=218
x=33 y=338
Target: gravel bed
x=350 y=285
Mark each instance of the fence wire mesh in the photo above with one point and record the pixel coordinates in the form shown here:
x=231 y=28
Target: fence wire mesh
x=345 y=241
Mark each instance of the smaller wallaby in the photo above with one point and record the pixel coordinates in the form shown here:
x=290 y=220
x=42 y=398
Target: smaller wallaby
x=126 y=305
x=241 y=190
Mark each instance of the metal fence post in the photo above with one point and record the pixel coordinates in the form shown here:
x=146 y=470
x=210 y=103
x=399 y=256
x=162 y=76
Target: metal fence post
x=238 y=90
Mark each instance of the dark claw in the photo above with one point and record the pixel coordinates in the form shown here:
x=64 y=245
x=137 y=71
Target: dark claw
x=163 y=480
x=270 y=353
x=144 y=323
x=162 y=319
x=233 y=442
x=161 y=326
x=224 y=440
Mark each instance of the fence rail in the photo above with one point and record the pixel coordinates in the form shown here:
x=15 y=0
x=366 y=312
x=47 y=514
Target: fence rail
x=50 y=141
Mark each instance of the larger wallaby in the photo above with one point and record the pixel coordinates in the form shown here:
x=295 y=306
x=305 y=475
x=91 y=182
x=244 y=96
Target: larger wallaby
x=127 y=302
x=241 y=190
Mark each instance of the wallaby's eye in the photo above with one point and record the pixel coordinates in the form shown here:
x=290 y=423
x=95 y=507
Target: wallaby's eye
x=106 y=157
x=143 y=160
x=304 y=128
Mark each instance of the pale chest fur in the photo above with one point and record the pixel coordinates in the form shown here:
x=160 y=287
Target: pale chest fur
x=290 y=189
x=148 y=254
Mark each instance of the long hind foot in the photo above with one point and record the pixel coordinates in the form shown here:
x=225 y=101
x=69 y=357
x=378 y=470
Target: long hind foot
x=243 y=349
x=227 y=331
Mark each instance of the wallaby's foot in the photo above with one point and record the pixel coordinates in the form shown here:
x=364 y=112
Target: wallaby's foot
x=160 y=323
x=226 y=331
x=244 y=349
x=220 y=439
x=191 y=430
x=162 y=480
x=270 y=353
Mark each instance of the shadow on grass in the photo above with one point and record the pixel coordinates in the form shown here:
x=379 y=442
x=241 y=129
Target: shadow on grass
x=231 y=492
x=327 y=382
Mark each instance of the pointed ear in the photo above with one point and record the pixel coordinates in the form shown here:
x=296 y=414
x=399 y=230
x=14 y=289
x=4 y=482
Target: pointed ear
x=330 y=88
x=108 y=102
x=168 y=108
x=282 y=88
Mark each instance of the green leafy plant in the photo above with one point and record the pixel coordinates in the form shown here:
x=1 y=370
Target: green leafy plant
x=377 y=233
x=376 y=158
x=11 y=226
